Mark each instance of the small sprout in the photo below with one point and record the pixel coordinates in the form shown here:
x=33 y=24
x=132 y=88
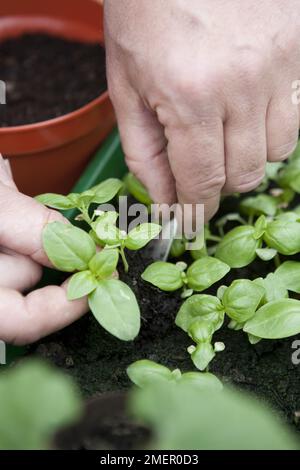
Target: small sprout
x=219 y=346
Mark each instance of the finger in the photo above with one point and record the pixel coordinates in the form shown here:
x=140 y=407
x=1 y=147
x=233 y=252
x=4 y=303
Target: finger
x=196 y=156
x=245 y=150
x=5 y=173
x=282 y=128
x=22 y=220
x=144 y=145
x=18 y=271
x=24 y=320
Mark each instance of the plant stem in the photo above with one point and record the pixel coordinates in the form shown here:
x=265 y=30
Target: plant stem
x=214 y=238
x=251 y=219
x=277 y=261
x=123 y=256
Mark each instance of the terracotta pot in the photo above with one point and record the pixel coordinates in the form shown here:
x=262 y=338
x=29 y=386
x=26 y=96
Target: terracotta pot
x=49 y=156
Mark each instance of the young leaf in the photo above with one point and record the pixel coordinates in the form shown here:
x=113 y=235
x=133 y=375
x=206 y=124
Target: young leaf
x=288 y=274
x=290 y=175
x=238 y=247
x=241 y=299
x=69 y=248
x=274 y=289
x=145 y=372
x=204 y=380
x=105 y=229
x=253 y=339
x=201 y=331
x=137 y=190
x=200 y=306
x=178 y=248
x=204 y=272
x=106 y=191
x=116 y=309
x=283 y=236
x=258 y=205
x=260 y=227
x=203 y=355
x=266 y=254
x=275 y=320
x=56 y=201
x=104 y=263
x=165 y=276
x=138 y=237
x=81 y=284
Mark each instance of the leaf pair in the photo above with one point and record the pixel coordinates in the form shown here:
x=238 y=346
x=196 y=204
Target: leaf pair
x=99 y=194
x=144 y=373
x=201 y=274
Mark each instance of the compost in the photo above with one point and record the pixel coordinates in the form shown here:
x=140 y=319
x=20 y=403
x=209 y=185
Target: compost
x=47 y=77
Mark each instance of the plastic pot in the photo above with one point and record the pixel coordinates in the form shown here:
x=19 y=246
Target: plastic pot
x=50 y=156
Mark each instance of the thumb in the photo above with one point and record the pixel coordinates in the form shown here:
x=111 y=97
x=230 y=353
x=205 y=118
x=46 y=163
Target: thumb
x=22 y=220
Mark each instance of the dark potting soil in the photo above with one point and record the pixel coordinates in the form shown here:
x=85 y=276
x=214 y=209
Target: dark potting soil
x=47 y=77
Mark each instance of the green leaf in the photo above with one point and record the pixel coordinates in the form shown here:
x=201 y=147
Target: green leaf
x=56 y=201
x=203 y=380
x=274 y=290
x=106 y=191
x=184 y=417
x=69 y=248
x=141 y=235
x=137 y=190
x=204 y=272
x=200 y=306
x=203 y=355
x=201 y=330
x=238 y=247
x=260 y=227
x=36 y=401
x=106 y=229
x=283 y=236
x=81 y=284
x=258 y=205
x=266 y=254
x=165 y=276
x=290 y=175
x=178 y=248
x=253 y=339
x=241 y=299
x=275 y=320
x=104 y=263
x=116 y=309
x=145 y=372
x=288 y=274
x=272 y=169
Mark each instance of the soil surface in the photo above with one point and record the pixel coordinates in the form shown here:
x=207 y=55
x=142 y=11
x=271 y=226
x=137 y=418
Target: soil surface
x=98 y=361
x=47 y=77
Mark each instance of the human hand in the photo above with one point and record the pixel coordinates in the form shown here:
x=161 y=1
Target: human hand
x=202 y=91
x=25 y=319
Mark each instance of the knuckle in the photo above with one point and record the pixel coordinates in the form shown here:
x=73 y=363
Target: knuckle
x=281 y=152
x=202 y=187
x=245 y=183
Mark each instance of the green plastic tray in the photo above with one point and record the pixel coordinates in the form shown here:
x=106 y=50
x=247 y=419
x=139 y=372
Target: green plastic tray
x=108 y=162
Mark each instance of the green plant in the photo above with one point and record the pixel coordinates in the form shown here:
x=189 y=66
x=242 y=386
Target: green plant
x=144 y=373
x=94 y=256
x=200 y=275
x=182 y=416
x=36 y=401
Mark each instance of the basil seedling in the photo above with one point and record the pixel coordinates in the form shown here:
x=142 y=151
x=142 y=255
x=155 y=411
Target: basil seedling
x=71 y=249
x=200 y=275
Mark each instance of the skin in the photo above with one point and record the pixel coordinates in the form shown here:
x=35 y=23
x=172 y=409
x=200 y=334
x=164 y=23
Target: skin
x=202 y=91
x=26 y=318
